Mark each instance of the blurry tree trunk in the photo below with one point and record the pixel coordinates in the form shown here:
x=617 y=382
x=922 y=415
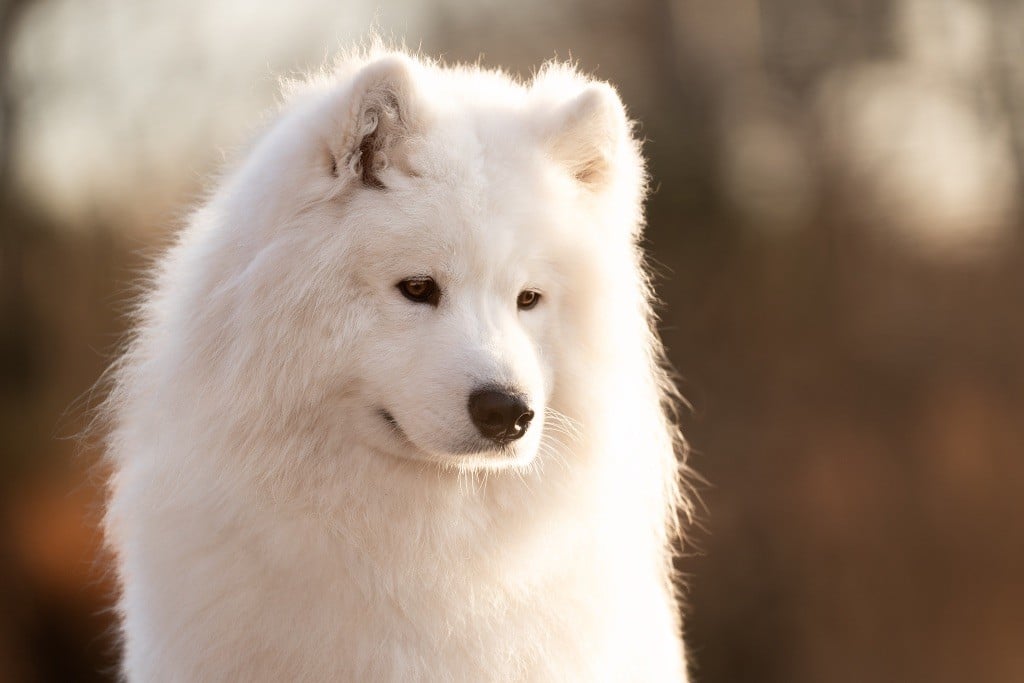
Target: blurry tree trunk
x=10 y=12
x=15 y=314
x=1008 y=80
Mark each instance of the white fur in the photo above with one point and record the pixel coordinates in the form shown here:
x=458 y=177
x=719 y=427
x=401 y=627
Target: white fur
x=270 y=525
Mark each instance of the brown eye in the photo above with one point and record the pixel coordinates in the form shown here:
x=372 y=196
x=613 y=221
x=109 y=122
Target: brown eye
x=527 y=299
x=422 y=290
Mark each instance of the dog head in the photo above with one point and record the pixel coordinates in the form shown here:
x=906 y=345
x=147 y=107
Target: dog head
x=444 y=242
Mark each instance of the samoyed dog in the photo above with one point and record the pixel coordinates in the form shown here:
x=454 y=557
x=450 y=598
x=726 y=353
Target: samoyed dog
x=394 y=409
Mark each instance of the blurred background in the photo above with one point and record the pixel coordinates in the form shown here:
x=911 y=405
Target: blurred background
x=837 y=224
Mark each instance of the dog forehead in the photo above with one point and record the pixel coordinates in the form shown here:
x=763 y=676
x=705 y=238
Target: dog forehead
x=482 y=153
x=443 y=239
x=466 y=228
x=481 y=200
x=481 y=170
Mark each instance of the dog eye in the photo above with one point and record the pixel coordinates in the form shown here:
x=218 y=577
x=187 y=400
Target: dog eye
x=527 y=299
x=422 y=290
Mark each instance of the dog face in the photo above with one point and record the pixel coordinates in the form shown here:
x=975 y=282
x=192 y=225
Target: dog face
x=457 y=366
x=438 y=251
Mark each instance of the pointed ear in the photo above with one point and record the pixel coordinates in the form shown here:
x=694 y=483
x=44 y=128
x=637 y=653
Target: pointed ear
x=378 y=116
x=586 y=134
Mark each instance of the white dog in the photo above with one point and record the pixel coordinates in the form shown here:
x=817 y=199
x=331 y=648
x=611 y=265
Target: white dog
x=394 y=409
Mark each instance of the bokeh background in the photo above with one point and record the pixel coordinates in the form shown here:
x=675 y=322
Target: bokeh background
x=837 y=224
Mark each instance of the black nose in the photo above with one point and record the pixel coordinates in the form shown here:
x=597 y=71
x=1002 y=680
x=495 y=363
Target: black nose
x=499 y=415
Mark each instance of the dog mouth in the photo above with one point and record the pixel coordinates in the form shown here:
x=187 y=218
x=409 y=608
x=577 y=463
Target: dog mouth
x=469 y=447
x=392 y=422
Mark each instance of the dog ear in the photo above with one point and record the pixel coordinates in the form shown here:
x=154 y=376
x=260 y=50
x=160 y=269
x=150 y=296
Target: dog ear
x=379 y=116
x=587 y=134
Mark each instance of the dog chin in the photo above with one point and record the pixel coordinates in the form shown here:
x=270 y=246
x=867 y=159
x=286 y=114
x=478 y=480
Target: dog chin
x=472 y=458
x=505 y=458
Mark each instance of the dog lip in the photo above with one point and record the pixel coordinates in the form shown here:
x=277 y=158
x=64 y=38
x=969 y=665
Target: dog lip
x=392 y=422
x=474 y=446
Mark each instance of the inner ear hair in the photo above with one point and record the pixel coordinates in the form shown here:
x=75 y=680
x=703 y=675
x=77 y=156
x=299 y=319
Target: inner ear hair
x=380 y=124
x=585 y=133
x=380 y=119
x=593 y=170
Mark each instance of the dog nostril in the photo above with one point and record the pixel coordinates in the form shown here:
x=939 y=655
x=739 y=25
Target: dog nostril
x=499 y=415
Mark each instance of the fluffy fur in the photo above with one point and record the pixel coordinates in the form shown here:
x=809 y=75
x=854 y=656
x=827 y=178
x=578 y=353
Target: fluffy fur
x=298 y=491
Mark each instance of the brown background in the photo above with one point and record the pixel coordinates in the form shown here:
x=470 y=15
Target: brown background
x=837 y=228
